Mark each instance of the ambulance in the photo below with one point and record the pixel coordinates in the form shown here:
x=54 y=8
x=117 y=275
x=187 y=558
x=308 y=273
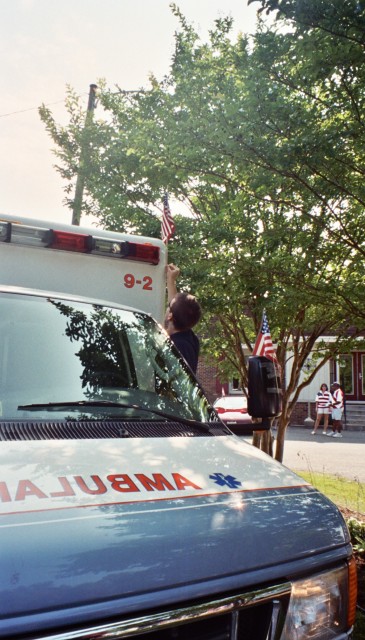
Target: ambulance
x=127 y=508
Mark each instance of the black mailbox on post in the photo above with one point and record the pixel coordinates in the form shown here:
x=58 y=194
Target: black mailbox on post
x=264 y=393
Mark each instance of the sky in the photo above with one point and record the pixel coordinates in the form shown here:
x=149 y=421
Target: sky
x=46 y=45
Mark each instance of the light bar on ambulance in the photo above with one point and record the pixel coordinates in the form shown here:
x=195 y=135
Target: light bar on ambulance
x=78 y=242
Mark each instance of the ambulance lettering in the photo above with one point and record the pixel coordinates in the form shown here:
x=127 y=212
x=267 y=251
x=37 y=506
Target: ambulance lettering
x=100 y=486
x=94 y=485
x=122 y=483
x=28 y=488
x=4 y=493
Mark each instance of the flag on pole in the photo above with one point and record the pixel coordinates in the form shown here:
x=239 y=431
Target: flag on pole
x=167 y=222
x=263 y=345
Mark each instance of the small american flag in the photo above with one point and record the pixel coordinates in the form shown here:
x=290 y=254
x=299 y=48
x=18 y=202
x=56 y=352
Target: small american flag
x=263 y=345
x=167 y=223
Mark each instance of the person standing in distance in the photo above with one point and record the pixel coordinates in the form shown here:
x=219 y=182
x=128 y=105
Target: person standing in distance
x=183 y=313
x=323 y=406
x=337 y=409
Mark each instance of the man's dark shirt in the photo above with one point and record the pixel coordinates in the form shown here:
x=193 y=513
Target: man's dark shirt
x=188 y=345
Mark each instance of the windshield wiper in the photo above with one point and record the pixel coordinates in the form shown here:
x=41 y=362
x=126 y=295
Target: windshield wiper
x=108 y=403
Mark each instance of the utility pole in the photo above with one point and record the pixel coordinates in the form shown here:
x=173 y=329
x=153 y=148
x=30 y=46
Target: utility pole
x=80 y=182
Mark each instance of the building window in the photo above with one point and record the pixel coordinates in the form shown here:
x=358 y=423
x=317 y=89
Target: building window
x=234 y=386
x=342 y=370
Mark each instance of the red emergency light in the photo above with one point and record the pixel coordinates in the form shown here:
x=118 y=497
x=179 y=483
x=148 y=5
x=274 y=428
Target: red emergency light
x=65 y=241
x=142 y=252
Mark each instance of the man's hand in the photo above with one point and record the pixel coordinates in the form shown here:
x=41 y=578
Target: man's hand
x=172 y=274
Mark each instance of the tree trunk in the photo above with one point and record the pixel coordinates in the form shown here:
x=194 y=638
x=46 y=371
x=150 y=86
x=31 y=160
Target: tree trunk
x=280 y=439
x=263 y=440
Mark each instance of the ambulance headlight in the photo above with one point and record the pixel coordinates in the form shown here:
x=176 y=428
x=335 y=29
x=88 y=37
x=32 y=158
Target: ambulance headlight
x=323 y=606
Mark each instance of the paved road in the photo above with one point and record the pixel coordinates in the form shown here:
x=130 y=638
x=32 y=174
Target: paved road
x=345 y=457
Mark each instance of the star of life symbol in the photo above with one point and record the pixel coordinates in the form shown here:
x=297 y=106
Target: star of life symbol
x=225 y=481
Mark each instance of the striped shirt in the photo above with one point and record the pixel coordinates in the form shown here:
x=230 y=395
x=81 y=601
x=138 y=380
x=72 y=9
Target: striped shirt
x=338 y=398
x=323 y=399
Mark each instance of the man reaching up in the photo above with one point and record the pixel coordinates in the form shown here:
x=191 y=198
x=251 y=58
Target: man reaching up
x=183 y=313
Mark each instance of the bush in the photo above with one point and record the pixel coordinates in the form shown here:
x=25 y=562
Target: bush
x=357 y=532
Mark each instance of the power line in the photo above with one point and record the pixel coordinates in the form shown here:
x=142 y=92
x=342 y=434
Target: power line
x=49 y=104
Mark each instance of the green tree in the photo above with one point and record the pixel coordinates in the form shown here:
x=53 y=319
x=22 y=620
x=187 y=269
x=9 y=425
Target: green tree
x=271 y=187
x=315 y=59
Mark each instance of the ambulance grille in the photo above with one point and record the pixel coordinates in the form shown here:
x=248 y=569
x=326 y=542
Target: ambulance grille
x=104 y=430
x=255 y=615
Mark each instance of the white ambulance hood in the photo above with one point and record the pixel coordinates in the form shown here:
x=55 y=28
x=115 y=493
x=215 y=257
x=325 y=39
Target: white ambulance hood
x=97 y=527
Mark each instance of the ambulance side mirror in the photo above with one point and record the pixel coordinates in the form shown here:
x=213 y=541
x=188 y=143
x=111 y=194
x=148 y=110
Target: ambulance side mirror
x=264 y=394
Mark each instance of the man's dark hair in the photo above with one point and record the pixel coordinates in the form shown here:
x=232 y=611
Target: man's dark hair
x=186 y=311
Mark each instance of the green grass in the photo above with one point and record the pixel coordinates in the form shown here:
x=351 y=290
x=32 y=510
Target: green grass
x=349 y=494
x=359 y=631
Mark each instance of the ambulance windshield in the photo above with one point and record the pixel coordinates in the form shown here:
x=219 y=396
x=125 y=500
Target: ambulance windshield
x=61 y=351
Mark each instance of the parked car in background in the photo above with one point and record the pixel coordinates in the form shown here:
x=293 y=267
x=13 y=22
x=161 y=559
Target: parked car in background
x=232 y=410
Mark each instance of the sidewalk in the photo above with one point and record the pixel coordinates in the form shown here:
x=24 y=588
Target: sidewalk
x=337 y=456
